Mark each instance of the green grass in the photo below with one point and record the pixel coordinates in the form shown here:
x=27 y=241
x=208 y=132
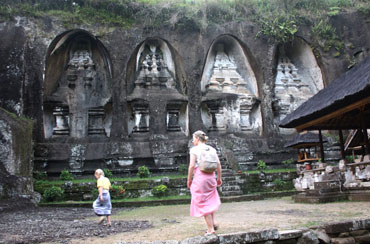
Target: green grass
x=278 y=20
x=140 y=199
x=93 y=180
x=267 y=171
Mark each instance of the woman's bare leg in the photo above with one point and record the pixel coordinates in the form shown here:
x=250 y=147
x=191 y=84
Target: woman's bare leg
x=209 y=222
x=215 y=224
x=108 y=221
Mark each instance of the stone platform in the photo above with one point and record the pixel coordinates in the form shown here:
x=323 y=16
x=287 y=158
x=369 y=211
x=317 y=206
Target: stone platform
x=333 y=194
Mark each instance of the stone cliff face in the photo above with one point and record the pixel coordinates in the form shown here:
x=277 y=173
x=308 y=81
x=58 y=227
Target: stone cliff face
x=119 y=98
x=16 y=162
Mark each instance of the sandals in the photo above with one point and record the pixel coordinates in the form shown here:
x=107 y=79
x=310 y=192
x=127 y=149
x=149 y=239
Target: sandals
x=209 y=234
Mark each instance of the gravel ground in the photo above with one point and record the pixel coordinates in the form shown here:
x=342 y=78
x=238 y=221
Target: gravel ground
x=79 y=225
x=59 y=225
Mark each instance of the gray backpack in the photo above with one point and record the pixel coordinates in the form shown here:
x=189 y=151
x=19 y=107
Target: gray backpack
x=208 y=159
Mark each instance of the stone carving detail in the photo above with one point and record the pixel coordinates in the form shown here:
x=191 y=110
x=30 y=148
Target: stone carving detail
x=290 y=90
x=61 y=115
x=96 y=121
x=225 y=77
x=141 y=114
x=153 y=70
x=77 y=159
x=216 y=111
x=246 y=105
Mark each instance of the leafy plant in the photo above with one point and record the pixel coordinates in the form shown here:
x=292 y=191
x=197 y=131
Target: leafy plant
x=183 y=168
x=143 y=172
x=53 y=193
x=279 y=183
x=279 y=28
x=65 y=175
x=107 y=173
x=118 y=191
x=40 y=175
x=287 y=162
x=160 y=191
x=334 y=11
x=350 y=158
x=261 y=165
x=94 y=192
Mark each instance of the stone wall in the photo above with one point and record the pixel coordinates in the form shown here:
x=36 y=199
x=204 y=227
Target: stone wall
x=16 y=152
x=356 y=231
x=120 y=98
x=248 y=183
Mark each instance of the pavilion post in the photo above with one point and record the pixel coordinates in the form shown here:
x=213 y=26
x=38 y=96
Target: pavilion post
x=364 y=132
x=341 y=144
x=321 y=147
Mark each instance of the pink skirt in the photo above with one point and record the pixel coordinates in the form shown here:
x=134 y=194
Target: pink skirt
x=204 y=196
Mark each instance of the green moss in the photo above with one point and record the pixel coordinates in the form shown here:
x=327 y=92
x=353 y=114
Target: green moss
x=268 y=171
x=279 y=20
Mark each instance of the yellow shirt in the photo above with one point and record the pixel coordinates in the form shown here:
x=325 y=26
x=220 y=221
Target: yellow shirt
x=104 y=182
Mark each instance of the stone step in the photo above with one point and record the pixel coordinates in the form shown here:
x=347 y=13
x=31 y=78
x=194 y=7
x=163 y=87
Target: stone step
x=230 y=183
x=228 y=178
x=231 y=193
x=230 y=188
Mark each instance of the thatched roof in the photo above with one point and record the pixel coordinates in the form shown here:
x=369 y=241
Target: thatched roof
x=305 y=140
x=351 y=88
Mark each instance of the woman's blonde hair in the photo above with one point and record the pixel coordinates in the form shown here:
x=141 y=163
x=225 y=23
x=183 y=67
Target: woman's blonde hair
x=201 y=135
x=99 y=172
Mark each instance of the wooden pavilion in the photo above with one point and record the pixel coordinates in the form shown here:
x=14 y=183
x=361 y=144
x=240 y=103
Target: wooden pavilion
x=343 y=105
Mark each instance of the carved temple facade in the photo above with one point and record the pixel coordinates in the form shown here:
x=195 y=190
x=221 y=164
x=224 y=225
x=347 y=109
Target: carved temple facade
x=80 y=100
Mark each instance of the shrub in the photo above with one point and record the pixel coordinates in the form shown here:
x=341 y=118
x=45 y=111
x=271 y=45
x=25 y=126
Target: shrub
x=350 y=158
x=65 y=175
x=53 y=193
x=107 y=173
x=95 y=192
x=40 y=175
x=287 y=162
x=143 y=172
x=119 y=190
x=279 y=184
x=160 y=191
x=261 y=165
x=183 y=169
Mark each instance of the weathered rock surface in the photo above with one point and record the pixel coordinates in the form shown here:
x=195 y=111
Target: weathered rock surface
x=128 y=97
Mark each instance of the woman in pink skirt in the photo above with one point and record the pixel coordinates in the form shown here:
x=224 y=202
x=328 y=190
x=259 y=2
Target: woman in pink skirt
x=205 y=200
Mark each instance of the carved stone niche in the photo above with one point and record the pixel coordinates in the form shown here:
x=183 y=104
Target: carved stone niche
x=78 y=75
x=216 y=111
x=141 y=117
x=173 y=116
x=177 y=116
x=61 y=115
x=96 y=121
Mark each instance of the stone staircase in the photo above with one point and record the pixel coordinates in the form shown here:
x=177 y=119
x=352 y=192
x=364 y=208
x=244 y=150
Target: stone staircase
x=230 y=180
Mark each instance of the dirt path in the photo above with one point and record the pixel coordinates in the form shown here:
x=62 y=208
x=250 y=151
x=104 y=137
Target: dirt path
x=174 y=222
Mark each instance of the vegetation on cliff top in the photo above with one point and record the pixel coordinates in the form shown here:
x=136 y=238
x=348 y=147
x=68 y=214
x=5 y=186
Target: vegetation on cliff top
x=277 y=20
